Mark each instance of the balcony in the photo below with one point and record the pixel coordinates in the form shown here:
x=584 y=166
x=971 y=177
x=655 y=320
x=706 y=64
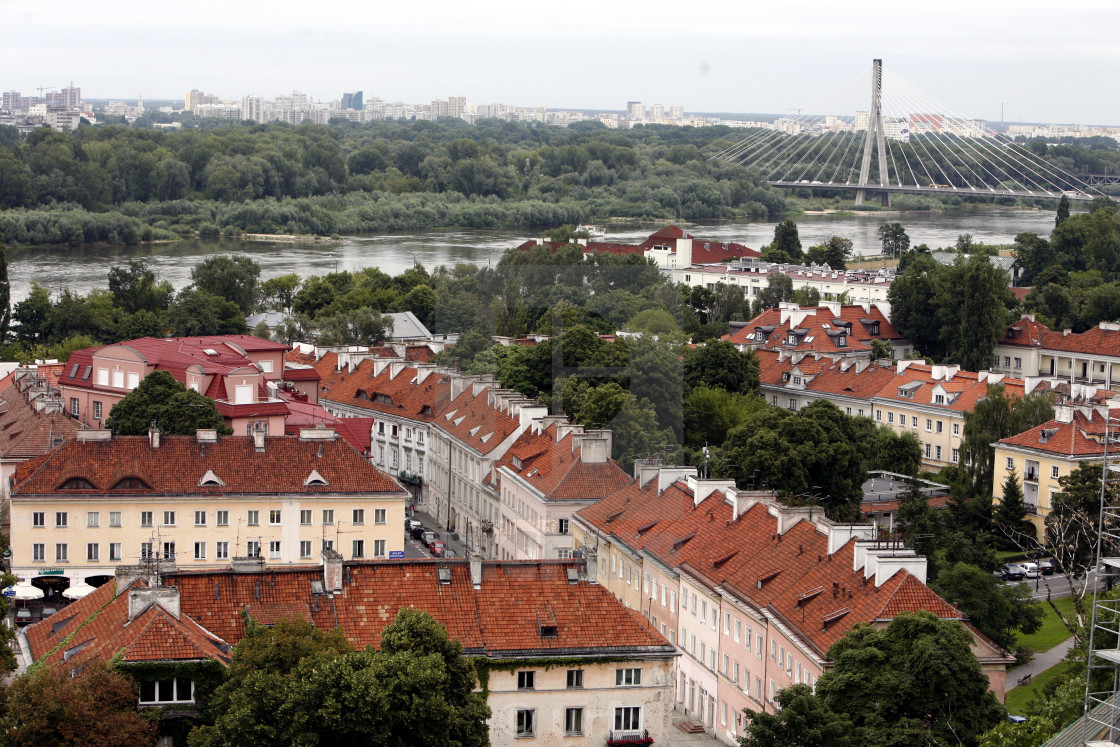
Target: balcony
x=629 y=737
x=1030 y=476
x=410 y=478
x=1031 y=508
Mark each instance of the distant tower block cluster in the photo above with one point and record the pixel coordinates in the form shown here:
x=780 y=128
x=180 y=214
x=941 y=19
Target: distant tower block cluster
x=352 y=100
x=636 y=112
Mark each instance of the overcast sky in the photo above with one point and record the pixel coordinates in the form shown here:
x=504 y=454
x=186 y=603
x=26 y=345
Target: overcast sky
x=1043 y=61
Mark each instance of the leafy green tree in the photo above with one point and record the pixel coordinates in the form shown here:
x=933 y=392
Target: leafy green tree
x=235 y=279
x=710 y=413
x=894 y=452
x=914 y=682
x=1063 y=211
x=994 y=417
x=719 y=364
x=32 y=314
x=1010 y=518
x=787 y=242
x=802 y=719
x=1033 y=254
x=779 y=287
x=894 y=239
x=417 y=690
x=999 y=611
x=881 y=350
x=279 y=293
x=654 y=322
x=197 y=312
x=135 y=289
x=176 y=410
x=1046 y=719
x=359 y=327
x=91 y=705
x=834 y=252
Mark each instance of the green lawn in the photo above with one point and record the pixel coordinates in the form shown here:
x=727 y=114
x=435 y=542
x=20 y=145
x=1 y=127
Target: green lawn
x=1019 y=697
x=1052 y=631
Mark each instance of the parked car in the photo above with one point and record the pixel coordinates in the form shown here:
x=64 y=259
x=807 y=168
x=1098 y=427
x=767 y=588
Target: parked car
x=437 y=548
x=411 y=524
x=1030 y=570
x=418 y=532
x=428 y=536
x=1047 y=567
x=1010 y=572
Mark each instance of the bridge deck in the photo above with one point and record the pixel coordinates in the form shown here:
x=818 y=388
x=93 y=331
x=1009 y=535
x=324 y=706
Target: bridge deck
x=915 y=189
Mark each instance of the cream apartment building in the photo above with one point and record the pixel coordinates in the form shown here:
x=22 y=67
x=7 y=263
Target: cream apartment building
x=198 y=502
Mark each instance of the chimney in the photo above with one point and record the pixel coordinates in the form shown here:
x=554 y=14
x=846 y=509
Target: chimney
x=258 y=438
x=476 y=569
x=153 y=437
x=595 y=447
x=591 y=559
x=139 y=600
x=332 y=570
x=94 y=434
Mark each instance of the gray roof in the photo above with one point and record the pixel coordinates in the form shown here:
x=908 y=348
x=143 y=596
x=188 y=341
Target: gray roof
x=272 y=318
x=1074 y=735
x=948 y=258
x=407 y=327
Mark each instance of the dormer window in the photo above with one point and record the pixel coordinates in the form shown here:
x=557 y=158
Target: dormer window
x=77 y=483
x=797 y=380
x=383 y=399
x=517 y=463
x=939 y=399
x=841 y=341
x=760 y=336
x=132 y=483
x=792 y=339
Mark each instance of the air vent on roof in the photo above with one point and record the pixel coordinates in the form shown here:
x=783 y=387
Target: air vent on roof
x=768 y=577
x=74 y=650
x=682 y=541
x=806 y=596
x=533 y=472
x=834 y=616
x=475 y=430
x=720 y=561
x=57 y=626
x=317 y=586
x=460 y=419
x=612 y=517
x=573 y=575
x=210 y=351
x=315 y=479
x=486 y=438
x=444 y=575
x=450 y=415
x=546 y=623
x=1046 y=434
x=646 y=527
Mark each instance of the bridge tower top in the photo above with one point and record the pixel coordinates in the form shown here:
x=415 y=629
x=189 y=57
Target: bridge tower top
x=875 y=135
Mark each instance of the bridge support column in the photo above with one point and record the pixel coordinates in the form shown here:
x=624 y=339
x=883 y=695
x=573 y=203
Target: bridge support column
x=875 y=137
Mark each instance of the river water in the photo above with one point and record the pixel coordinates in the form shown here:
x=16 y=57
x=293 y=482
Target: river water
x=84 y=268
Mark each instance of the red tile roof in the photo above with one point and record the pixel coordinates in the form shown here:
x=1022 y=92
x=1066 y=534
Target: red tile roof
x=180 y=463
x=551 y=467
x=501 y=618
x=1026 y=331
x=97 y=627
x=818 y=329
x=26 y=431
x=1081 y=437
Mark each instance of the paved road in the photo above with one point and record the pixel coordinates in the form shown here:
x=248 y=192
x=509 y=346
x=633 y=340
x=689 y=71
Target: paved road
x=1055 y=586
x=415 y=549
x=1040 y=663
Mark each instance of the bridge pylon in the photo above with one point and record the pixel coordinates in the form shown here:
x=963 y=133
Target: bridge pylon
x=875 y=138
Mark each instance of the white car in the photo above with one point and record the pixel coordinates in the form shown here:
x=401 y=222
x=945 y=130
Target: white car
x=1031 y=569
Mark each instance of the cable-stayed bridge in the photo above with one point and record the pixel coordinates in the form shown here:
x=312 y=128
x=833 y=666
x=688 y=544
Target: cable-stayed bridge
x=905 y=141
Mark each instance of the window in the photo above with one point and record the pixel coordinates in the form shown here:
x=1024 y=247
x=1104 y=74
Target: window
x=168 y=550
x=60 y=519
x=890 y=418
x=703 y=651
x=93 y=519
x=525 y=680
x=1019 y=363
x=792 y=403
x=940 y=426
x=724 y=664
x=200 y=551
x=254 y=518
x=252 y=549
x=62 y=552
x=394 y=432
x=929 y=424
x=562 y=526
x=879 y=415
x=38 y=552
x=913 y=419
x=939 y=399
x=74 y=407
x=758 y=646
x=274 y=549
x=114 y=551
x=93 y=552
x=928 y=450
x=420 y=437
x=328 y=515
x=359 y=516
x=378 y=516
x=223 y=518
x=575 y=679
x=379 y=549
x=735 y=672
x=956 y=455
x=956 y=429
x=274 y=517
x=628 y=718
x=39 y=519
x=573 y=721
x=305 y=516
x=1054 y=472
x=200 y=518
x=937 y=453
x=174 y=690
x=738 y=629
x=629 y=677
x=221 y=550
x=1006 y=360
x=304 y=549
x=773 y=650
x=525 y=722
x=146 y=550
x=1010 y=463
x=359 y=549
x=169 y=518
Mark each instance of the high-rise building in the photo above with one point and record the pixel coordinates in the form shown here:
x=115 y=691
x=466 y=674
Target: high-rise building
x=656 y=112
x=352 y=100
x=13 y=101
x=676 y=113
x=635 y=110
x=64 y=98
x=252 y=108
x=456 y=106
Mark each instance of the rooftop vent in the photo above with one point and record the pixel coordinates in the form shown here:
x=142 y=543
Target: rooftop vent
x=444 y=575
x=573 y=575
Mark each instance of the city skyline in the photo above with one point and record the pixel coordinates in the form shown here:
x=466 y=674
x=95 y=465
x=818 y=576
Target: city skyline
x=721 y=58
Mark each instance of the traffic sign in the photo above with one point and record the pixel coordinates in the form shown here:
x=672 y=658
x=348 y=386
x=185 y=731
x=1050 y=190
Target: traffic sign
x=396 y=555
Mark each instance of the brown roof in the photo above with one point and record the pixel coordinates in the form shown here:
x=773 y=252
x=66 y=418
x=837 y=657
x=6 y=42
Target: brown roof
x=1081 y=437
x=26 y=431
x=97 y=627
x=180 y=463
x=551 y=467
x=503 y=617
x=818 y=330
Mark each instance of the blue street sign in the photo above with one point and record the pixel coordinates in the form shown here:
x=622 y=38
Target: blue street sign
x=9 y=592
x=393 y=555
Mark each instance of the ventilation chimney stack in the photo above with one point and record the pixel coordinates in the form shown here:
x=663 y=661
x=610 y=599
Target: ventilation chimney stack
x=153 y=437
x=258 y=438
x=476 y=569
x=332 y=570
x=140 y=599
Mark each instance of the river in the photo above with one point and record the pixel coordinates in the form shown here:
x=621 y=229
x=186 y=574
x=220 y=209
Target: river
x=84 y=268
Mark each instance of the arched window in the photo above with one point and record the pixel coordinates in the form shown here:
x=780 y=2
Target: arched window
x=77 y=483
x=131 y=483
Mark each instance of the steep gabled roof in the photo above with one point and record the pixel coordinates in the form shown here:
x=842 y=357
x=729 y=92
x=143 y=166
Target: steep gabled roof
x=551 y=467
